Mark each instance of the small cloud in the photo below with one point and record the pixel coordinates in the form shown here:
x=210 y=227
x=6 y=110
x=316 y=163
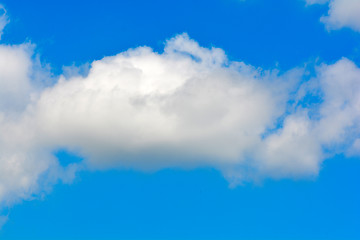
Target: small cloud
x=341 y=14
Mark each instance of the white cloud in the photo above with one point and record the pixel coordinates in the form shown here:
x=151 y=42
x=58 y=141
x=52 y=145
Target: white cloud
x=188 y=101
x=190 y=107
x=16 y=170
x=342 y=13
x=340 y=111
x=186 y=107
x=26 y=166
x=328 y=126
x=15 y=69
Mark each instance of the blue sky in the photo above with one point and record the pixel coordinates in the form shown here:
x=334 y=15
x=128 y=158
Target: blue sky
x=81 y=164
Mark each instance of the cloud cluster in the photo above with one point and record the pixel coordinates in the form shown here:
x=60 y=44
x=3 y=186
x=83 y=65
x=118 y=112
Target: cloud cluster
x=186 y=107
x=190 y=106
x=342 y=13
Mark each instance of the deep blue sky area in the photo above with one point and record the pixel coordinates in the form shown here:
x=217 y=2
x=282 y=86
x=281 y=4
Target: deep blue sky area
x=261 y=33
x=174 y=203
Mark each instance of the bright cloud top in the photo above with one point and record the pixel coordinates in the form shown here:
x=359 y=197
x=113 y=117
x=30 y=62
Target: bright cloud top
x=342 y=13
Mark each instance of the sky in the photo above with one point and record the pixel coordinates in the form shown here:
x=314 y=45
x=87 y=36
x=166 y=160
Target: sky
x=218 y=119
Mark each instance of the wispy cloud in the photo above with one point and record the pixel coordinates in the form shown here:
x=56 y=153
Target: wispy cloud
x=4 y=20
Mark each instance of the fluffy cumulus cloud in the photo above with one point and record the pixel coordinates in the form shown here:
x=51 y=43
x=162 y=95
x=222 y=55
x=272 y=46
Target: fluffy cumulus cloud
x=186 y=107
x=342 y=13
x=189 y=106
